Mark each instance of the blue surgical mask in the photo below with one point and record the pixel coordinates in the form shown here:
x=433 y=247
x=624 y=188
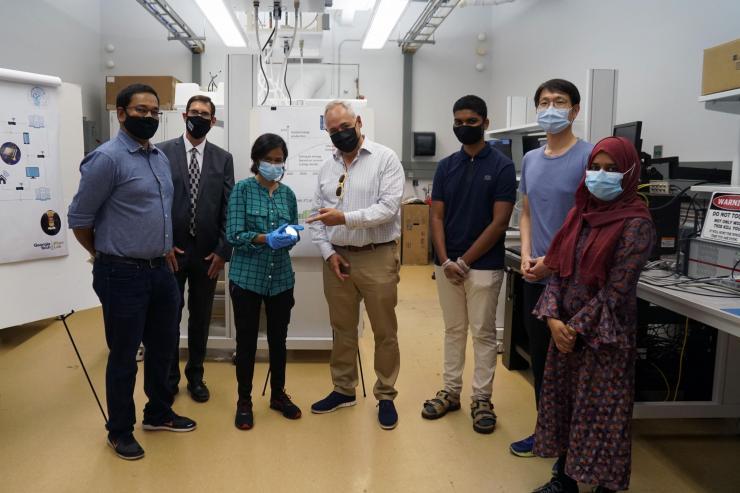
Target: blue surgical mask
x=553 y=120
x=271 y=172
x=604 y=185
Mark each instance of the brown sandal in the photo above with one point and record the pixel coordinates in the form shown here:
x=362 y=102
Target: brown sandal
x=442 y=403
x=484 y=419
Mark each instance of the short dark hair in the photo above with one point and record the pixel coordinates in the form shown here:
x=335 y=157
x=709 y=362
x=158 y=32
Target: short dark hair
x=262 y=147
x=202 y=99
x=124 y=97
x=559 y=85
x=472 y=103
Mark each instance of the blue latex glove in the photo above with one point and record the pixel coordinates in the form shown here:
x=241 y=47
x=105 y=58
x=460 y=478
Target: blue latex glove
x=280 y=239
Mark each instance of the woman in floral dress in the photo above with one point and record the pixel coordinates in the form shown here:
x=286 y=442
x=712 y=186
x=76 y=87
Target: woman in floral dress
x=590 y=306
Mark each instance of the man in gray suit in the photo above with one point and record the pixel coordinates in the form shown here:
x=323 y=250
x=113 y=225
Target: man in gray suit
x=203 y=176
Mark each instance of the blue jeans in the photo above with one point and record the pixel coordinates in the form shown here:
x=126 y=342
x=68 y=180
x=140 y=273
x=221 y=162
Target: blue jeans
x=140 y=303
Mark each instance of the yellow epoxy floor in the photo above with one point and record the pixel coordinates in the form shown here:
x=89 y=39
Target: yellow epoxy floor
x=52 y=436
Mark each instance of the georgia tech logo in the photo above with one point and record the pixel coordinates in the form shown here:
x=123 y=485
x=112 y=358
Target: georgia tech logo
x=49 y=245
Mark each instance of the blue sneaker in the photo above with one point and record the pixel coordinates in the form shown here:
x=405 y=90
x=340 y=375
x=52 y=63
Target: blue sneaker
x=332 y=402
x=387 y=415
x=523 y=448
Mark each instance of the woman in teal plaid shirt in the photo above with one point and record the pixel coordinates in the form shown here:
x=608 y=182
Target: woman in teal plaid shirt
x=260 y=210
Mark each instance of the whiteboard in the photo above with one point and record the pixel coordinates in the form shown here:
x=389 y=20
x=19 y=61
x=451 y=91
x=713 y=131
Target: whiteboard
x=49 y=287
x=309 y=147
x=32 y=223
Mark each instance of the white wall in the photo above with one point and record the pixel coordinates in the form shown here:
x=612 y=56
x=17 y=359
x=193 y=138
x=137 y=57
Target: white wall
x=657 y=46
x=56 y=37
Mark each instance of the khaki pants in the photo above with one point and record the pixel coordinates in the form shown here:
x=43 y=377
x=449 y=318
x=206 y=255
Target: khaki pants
x=473 y=304
x=374 y=279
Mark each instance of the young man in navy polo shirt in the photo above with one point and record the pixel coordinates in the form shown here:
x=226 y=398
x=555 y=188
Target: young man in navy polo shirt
x=473 y=195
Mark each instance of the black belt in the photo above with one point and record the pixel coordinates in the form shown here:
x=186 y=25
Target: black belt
x=142 y=262
x=371 y=246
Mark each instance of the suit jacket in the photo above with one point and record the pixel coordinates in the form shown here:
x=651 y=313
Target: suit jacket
x=216 y=182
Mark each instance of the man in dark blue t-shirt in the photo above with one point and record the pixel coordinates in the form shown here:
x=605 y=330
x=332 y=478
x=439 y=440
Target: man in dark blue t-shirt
x=473 y=195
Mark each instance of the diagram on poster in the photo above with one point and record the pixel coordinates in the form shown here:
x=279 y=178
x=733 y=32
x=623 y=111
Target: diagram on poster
x=309 y=147
x=32 y=220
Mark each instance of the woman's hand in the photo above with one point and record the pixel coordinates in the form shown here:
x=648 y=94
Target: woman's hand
x=563 y=335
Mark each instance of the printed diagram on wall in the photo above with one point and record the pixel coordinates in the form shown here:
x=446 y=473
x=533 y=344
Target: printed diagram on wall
x=31 y=200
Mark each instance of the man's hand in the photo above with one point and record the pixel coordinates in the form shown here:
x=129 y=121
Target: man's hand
x=330 y=217
x=563 y=335
x=527 y=263
x=453 y=272
x=171 y=258
x=538 y=270
x=217 y=264
x=336 y=264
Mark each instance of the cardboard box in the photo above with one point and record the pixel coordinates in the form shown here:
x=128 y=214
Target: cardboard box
x=721 y=68
x=163 y=84
x=415 y=234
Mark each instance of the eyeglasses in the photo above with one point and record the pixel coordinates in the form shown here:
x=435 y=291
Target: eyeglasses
x=144 y=111
x=558 y=103
x=340 y=186
x=202 y=114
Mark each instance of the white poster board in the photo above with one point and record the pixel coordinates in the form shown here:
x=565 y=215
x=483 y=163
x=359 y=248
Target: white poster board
x=723 y=218
x=309 y=146
x=33 y=220
x=49 y=287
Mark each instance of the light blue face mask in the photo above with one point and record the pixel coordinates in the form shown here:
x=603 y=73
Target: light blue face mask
x=605 y=185
x=271 y=172
x=553 y=120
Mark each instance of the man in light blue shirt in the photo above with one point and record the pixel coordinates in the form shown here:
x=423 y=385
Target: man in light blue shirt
x=550 y=177
x=121 y=215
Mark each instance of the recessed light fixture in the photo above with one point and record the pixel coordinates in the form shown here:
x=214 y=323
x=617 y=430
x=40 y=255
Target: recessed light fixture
x=223 y=22
x=385 y=18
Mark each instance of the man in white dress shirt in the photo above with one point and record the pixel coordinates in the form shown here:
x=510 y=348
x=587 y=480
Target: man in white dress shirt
x=357 y=227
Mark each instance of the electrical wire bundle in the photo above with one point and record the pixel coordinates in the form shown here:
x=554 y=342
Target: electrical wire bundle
x=275 y=16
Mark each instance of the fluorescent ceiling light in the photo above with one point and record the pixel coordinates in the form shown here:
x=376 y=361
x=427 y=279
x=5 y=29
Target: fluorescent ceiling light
x=384 y=20
x=353 y=4
x=223 y=22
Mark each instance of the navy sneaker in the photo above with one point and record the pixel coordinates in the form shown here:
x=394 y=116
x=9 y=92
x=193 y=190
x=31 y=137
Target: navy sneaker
x=332 y=402
x=176 y=423
x=126 y=447
x=523 y=448
x=387 y=415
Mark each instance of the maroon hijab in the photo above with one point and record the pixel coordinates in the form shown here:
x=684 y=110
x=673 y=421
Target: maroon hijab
x=606 y=219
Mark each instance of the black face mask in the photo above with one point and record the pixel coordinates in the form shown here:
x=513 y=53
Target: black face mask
x=346 y=140
x=468 y=135
x=140 y=127
x=197 y=127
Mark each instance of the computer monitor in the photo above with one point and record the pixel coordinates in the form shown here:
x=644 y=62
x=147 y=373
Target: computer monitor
x=630 y=131
x=502 y=145
x=32 y=172
x=531 y=142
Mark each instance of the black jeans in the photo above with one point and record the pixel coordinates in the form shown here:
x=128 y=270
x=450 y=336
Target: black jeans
x=139 y=304
x=193 y=269
x=537 y=332
x=247 y=320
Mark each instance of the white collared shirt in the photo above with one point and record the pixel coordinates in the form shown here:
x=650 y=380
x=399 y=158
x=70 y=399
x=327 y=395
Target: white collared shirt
x=371 y=201
x=198 y=155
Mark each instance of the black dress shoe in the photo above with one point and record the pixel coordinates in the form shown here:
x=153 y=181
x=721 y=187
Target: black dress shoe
x=198 y=391
x=126 y=447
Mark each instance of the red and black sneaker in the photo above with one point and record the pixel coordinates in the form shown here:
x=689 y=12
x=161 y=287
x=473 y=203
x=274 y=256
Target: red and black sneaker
x=244 y=419
x=280 y=401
